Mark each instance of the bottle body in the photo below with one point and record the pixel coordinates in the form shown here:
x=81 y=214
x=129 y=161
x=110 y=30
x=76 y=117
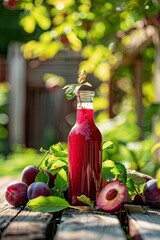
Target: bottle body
x=85 y=156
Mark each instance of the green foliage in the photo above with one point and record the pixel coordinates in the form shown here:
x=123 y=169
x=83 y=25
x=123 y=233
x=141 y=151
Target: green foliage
x=72 y=89
x=114 y=170
x=61 y=181
x=111 y=170
x=55 y=158
x=135 y=182
x=134 y=155
x=127 y=146
x=56 y=161
x=42 y=177
x=87 y=26
x=130 y=187
x=10 y=29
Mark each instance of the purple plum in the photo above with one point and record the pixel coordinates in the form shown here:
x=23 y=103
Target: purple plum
x=16 y=193
x=37 y=189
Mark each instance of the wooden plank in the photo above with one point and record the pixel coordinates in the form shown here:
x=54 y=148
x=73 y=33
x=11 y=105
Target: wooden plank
x=152 y=210
x=144 y=222
x=7 y=214
x=29 y=225
x=80 y=225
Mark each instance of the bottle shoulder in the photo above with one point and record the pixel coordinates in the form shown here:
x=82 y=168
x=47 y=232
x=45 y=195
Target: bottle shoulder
x=87 y=129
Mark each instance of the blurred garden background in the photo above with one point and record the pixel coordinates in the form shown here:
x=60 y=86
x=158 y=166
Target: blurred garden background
x=44 y=44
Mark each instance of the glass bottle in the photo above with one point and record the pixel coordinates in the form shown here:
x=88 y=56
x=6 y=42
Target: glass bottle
x=85 y=152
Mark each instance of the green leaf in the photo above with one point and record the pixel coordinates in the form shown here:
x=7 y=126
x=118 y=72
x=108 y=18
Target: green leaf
x=139 y=180
x=47 y=204
x=42 y=177
x=56 y=192
x=130 y=186
x=86 y=200
x=46 y=162
x=107 y=145
x=61 y=181
x=59 y=153
x=107 y=174
x=55 y=158
x=56 y=165
x=58 y=147
x=121 y=172
x=71 y=90
x=114 y=170
x=139 y=188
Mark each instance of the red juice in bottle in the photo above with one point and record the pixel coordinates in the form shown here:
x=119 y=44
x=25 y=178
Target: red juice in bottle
x=85 y=152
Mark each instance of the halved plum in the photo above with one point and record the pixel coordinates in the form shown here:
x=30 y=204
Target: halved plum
x=112 y=197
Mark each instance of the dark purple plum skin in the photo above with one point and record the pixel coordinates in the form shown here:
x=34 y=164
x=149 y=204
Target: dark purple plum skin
x=138 y=199
x=16 y=194
x=37 y=189
x=29 y=174
x=151 y=193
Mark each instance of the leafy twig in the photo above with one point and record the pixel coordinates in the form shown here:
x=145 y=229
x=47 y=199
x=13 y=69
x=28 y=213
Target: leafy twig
x=71 y=90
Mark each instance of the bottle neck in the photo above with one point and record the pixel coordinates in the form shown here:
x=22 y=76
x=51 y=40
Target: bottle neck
x=85 y=110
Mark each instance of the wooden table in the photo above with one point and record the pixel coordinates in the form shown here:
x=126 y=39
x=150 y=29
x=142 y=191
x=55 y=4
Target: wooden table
x=134 y=222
